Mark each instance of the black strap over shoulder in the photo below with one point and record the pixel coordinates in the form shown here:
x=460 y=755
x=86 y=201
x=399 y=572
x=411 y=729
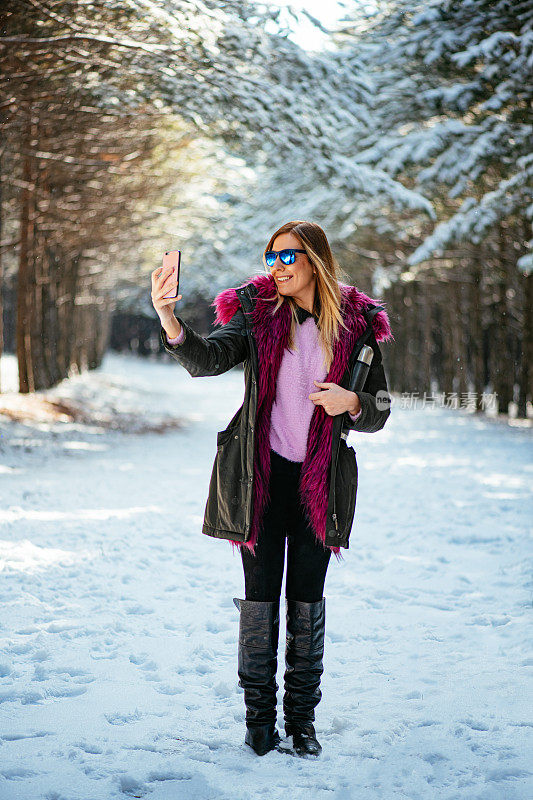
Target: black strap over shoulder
x=370 y=312
x=367 y=335
x=247 y=295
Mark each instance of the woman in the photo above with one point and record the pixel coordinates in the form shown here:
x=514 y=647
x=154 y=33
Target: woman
x=283 y=471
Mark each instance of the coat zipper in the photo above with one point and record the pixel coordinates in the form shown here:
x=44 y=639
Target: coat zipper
x=251 y=342
x=334 y=472
x=250 y=335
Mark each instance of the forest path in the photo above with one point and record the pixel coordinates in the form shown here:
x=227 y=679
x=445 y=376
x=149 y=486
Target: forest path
x=118 y=634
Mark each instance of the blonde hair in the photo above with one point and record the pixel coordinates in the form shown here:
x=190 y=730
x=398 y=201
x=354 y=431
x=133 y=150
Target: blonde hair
x=327 y=302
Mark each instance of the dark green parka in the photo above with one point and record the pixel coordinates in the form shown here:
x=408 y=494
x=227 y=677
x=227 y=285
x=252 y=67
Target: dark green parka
x=249 y=335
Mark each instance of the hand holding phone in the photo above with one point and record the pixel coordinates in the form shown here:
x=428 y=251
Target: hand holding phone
x=165 y=282
x=172 y=258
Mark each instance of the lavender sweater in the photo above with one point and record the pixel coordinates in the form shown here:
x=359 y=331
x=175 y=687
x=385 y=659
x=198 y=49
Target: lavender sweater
x=292 y=409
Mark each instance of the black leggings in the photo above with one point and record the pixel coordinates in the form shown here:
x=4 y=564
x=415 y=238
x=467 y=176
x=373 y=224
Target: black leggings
x=307 y=560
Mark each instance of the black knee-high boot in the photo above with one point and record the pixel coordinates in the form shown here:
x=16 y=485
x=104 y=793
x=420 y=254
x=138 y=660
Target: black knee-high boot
x=257 y=665
x=304 y=667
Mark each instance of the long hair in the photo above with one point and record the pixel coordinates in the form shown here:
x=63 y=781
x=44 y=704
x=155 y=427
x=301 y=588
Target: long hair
x=327 y=302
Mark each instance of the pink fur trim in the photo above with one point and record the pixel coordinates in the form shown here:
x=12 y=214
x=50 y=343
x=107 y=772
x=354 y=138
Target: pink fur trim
x=271 y=336
x=226 y=303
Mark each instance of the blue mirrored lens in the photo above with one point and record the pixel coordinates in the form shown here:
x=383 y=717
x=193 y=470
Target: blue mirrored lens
x=270 y=259
x=287 y=256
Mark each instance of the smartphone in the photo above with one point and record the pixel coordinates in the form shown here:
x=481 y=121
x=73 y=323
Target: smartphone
x=172 y=258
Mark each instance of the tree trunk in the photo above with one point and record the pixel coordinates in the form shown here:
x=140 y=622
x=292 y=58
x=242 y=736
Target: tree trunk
x=24 y=305
x=425 y=314
x=502 y=356
x=1 y=278
x=449 y=340
x=475 y=344
x=461 y=322
x=526 y=373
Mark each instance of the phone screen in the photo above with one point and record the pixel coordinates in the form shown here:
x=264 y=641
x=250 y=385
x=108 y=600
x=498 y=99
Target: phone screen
x=172 y=258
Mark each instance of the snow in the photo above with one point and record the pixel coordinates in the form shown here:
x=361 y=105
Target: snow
x=118 y=634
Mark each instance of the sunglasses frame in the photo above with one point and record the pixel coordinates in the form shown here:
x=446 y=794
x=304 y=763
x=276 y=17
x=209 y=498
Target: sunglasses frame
x=279 y=252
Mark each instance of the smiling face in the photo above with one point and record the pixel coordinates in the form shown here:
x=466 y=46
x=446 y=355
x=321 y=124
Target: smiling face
x=301 y=280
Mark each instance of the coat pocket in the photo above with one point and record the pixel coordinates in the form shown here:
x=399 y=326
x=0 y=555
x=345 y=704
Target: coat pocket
x=229 y=486
x=229 y=489
x=225 y=435
x=233 y=428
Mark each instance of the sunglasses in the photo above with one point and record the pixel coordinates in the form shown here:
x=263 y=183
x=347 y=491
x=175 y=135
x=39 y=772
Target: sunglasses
x=285 y=256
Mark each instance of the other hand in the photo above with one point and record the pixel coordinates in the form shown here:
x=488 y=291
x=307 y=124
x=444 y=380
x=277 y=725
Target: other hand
x=335 y=400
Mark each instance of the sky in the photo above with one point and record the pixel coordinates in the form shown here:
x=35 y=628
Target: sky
x=305 y=34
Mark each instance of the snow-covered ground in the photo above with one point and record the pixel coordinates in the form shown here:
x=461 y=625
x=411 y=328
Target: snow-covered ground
x=118 y=632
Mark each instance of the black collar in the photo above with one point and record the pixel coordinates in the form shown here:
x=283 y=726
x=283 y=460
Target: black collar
x=303 y=314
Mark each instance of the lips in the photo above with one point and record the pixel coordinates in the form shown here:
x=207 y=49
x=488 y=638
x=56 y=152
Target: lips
x=286 y=277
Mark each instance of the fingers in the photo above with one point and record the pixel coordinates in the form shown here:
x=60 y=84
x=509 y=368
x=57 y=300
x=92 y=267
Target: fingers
x=317 y=395
x=162 y=285
x=164 y=289
x=158 y=270
x=160 y=302
x=168 y=301
x=160 y=275
x=157 y=273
